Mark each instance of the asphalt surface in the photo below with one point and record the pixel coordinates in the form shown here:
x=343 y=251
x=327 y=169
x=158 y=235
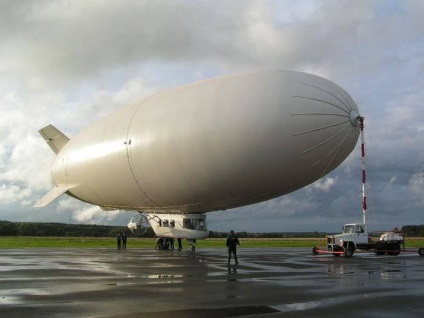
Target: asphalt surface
x=150 y=283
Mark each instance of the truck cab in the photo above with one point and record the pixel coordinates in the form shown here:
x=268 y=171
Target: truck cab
x=355 y=233
x=354 y=236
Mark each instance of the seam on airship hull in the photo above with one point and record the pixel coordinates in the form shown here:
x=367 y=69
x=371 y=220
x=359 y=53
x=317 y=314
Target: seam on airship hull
x=318 y=114
x=325 y=102
x=78 y=198
x=128 y=150
x=344 y=102
x=331 y=152
x=321 y=128
x=325 y=141
x=339 y=146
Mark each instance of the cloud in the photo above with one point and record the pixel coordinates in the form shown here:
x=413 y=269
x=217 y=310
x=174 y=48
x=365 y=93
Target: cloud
x=60 y=43
x=417 y=182
x=13 y=193
x=73 y=40
x=325 y=185
x=25 y=159
x=56 y=41
x=86 y=213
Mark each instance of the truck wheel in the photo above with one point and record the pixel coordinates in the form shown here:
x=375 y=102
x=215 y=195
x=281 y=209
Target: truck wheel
x=380 y=249
x=394 y=249
x=315 y=251
x=421 y=251
x=337 y=248
x=348 y=252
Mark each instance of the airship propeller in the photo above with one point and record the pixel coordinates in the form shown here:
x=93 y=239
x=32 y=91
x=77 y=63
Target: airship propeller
x=139 y=224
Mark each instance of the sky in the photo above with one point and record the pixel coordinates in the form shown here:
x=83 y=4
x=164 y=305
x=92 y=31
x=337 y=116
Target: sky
x=69 y=63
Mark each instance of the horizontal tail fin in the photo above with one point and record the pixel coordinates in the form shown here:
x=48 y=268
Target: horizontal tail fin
x=52 y=195
x=54 y=138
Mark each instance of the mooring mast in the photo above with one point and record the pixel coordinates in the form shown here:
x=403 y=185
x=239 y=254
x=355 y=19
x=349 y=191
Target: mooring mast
x=364 y=196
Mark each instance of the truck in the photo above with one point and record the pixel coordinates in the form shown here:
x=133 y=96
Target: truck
x=355 y=237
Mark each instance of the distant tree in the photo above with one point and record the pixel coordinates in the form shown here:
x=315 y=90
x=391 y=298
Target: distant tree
x=26 y=229
x=7 y=228
x=60 y=231
x=413 y=230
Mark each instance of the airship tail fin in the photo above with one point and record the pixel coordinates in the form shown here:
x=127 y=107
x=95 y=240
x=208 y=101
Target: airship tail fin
x=54 y=138
x=52 y=195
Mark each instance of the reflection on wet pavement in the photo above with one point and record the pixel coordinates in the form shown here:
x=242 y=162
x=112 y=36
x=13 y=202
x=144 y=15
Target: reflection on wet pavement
x=267 y=282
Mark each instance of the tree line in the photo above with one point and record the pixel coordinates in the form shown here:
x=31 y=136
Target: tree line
x=62 y=229
x=413 y=230
x=8 y=228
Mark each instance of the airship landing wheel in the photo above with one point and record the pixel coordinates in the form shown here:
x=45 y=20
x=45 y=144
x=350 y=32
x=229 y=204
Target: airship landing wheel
x=140 y=224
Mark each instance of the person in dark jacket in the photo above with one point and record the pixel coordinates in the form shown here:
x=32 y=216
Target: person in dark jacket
x=118 y=239
x=232 y=242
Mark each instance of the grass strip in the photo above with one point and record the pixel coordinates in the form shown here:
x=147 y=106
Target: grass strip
x=17 y=242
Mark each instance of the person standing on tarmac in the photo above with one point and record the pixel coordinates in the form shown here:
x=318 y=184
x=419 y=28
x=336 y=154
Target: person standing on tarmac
x=118 y=240
x=124 y=240
x=232 y=242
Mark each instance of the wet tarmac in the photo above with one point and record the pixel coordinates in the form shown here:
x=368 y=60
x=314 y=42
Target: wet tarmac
x=150 y=283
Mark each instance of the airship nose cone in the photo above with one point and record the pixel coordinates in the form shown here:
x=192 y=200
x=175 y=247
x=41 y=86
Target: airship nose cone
x=354 y=116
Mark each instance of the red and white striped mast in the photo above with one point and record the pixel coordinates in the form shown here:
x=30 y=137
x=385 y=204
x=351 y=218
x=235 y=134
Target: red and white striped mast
x=364 y=196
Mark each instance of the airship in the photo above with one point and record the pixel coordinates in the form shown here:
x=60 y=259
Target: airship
x=216 y=144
